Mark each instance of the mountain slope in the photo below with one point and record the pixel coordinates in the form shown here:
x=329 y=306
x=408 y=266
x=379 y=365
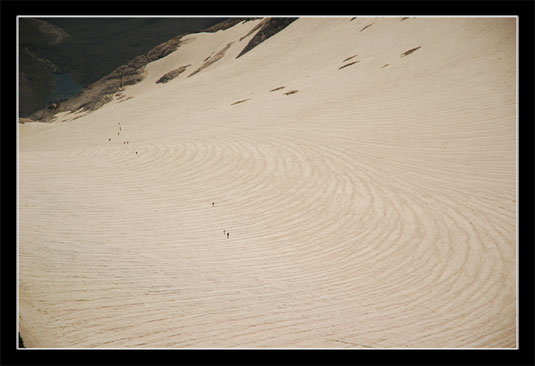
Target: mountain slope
x=364 y=169
x=100 y=92
x=86 y=49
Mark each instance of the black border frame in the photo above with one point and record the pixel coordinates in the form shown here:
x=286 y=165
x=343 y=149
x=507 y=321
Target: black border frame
x=524 y=355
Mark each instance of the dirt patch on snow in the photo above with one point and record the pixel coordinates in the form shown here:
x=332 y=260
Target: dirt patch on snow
x=346 y=65
x=406 y=53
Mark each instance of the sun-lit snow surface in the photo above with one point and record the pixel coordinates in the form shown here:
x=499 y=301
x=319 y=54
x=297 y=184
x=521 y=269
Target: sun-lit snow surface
x=375 y=207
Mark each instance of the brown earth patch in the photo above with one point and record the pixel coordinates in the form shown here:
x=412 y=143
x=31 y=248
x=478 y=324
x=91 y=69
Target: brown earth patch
x=406 y=53
x=240 y=101
x=346 y=65
x=369 y=25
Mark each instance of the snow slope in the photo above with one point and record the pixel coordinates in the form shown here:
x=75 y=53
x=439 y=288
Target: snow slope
x=374 y=207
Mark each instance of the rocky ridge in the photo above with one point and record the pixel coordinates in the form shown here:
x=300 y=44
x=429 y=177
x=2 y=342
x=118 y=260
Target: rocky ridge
x=102 y=91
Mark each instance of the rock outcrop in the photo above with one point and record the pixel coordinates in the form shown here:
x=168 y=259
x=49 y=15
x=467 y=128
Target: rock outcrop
x=212 y=59
x=58 y=34
x=227 y=24
x=101 y=92
x=172 y=74
x=271 y=27
x=23 y=120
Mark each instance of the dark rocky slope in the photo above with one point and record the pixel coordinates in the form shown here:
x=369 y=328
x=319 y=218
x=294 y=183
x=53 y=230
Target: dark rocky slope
x=269 y=28
x=102 y=91
x=87 y=49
